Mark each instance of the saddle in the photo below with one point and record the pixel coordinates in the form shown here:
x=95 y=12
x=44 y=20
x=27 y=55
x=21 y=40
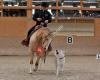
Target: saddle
x=25 y=42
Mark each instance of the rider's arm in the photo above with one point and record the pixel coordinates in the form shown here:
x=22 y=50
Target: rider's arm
x=49 y=17
x=37 y=16
x=34 y=17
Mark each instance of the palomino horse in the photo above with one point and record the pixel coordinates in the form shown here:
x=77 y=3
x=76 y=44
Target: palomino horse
x=38 y=45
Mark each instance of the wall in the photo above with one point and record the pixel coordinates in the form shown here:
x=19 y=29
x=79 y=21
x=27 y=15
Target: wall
x=14 y=27
x=82 y=45
x=97 y=28
x=13 y=30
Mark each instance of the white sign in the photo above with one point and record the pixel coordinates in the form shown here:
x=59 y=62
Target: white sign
x=69 y=39
x=98 y=56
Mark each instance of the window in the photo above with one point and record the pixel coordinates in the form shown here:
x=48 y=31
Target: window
x=15 y=2
x=14 y=8
x=14 y=12
x=66 y=8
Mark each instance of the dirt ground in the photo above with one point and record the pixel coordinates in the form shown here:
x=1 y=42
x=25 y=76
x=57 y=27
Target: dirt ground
x=76 y=68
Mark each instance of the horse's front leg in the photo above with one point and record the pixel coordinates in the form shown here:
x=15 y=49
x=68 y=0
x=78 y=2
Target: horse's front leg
x=37 y=63
x=31 y=62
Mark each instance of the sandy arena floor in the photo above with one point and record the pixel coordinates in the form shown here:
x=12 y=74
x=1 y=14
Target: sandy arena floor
x=76 y=68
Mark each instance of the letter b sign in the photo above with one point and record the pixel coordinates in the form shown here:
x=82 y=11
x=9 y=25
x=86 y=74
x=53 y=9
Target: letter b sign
x=69 y=39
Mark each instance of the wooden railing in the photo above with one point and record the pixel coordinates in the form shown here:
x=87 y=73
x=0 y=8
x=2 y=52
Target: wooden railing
x=29 y=8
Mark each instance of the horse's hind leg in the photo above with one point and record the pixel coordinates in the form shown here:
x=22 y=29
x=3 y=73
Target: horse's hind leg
x=37 y=63
x=31 y=62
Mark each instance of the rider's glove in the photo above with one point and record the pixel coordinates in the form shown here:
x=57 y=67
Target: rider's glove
x=46 y=21
x=39 y=19
x=42 y=23
x=36 y=27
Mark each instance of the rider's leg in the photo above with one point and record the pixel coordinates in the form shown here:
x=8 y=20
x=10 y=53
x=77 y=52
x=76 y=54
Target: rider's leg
x=26 y=41
x=30 y=31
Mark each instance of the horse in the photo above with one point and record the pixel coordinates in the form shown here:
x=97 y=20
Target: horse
x=38 y=45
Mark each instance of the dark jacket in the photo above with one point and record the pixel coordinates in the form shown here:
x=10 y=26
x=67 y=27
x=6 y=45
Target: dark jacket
x=44 y=15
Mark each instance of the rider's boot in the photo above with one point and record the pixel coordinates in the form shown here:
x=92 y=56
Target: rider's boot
x=25 y=42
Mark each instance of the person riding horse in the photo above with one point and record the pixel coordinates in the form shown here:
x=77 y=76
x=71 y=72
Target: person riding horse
x=42 y=18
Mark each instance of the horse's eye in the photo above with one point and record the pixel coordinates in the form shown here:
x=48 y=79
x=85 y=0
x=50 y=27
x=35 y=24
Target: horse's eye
x=46 y=39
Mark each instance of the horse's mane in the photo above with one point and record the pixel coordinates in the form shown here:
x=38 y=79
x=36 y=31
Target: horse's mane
x=40 y=34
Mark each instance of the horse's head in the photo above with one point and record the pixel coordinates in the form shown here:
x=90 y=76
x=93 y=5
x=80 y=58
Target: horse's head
x=44 y=37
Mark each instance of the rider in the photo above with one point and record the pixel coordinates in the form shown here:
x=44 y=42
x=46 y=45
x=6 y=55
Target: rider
x=42 y=17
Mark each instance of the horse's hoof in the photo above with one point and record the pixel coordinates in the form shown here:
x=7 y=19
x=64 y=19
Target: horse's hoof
x=35 y=70
x=30 y=72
